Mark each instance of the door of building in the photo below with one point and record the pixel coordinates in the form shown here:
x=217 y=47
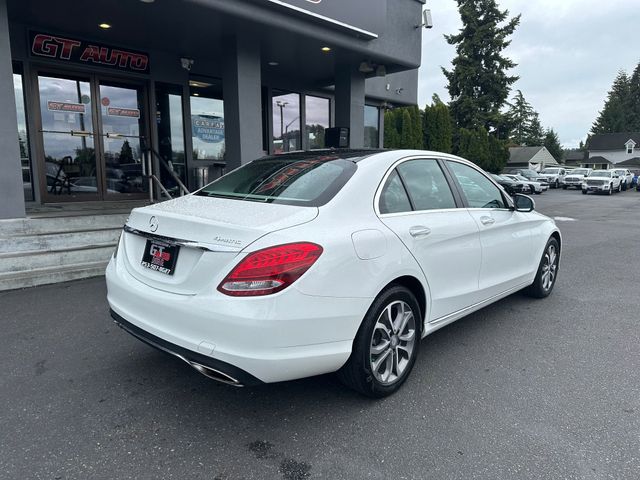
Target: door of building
x=92 y=136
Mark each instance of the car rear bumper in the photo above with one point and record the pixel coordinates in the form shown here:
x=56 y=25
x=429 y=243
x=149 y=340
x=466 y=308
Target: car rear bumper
x=274 y=338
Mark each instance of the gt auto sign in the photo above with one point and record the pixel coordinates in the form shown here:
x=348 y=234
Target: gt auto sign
x=87 y=53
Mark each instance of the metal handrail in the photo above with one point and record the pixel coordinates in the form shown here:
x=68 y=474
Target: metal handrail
x=163 y=162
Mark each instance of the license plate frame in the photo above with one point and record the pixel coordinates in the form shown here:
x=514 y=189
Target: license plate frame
x=160 y=257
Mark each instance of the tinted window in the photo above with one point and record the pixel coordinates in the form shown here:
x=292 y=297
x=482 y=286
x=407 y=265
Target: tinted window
x=479 y=190
x=427 y=185
x=393 y=198
x=290 y=180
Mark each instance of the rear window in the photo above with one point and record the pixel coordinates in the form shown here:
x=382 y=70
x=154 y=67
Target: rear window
x=289 y=180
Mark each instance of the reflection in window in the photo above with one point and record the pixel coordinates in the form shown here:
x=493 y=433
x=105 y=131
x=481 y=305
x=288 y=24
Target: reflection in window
x=317 y=119
x=170 y=134
x=371 y=126
x=207 y=120
x=286 y=122
x=23 y=137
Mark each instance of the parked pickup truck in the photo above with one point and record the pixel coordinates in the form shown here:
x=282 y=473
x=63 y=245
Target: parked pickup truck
x=602 y=181
x=626 y=177
x=554 y=176
x=574 y=178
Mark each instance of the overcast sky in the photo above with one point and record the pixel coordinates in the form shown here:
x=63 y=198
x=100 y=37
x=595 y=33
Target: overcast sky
x=568 y=53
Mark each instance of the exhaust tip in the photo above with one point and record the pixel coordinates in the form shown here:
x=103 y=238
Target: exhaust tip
x=214 y=374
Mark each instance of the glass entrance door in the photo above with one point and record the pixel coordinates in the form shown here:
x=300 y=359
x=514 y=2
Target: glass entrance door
x=69 y=157
x=93 y=134
x=122 y=127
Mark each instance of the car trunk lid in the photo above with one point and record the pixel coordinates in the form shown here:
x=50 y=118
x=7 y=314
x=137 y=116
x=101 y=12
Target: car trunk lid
x=202 y=235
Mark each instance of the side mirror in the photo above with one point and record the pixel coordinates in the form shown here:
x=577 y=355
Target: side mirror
x=523 y=203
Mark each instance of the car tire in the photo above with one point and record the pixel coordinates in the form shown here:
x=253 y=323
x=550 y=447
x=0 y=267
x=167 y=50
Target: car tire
x=619 y=187
x=547 y=273
x=610 y=189
x=395 y=360
x=564 y=187
x=624 y=187
x=557 y=185
x=584 y=192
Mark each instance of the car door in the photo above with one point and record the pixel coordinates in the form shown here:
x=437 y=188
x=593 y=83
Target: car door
x=418 y=204
x=506 y=236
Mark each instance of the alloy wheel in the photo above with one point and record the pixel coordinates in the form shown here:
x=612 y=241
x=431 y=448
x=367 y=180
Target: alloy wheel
x=549 y=268
x=392 y=342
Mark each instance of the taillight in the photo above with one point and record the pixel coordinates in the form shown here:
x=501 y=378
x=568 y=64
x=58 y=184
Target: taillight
x=270 y=270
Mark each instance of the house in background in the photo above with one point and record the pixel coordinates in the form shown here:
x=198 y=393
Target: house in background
x=575 y=158
x=613 y=149
x=534 y=158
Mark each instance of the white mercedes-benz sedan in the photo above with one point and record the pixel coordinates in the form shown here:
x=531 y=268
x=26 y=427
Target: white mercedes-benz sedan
x=340 y=260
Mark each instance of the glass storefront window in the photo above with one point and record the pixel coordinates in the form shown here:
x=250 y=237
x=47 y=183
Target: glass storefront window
x=371 y=126
x=207 y=120
x=171 y=134
x=286 y=122
x=23 y=136
x=317 y=119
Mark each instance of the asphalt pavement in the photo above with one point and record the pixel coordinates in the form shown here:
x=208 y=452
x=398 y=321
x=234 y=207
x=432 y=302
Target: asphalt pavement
x=525 y=389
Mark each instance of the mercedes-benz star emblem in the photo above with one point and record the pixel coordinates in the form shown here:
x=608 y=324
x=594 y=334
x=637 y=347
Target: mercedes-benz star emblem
x=153 y=224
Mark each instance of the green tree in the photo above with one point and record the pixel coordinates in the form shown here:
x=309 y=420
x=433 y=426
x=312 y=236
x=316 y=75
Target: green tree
x=633 y=101
x=535 y=135
x=391 y=136
x=552 y=142
x=498 y=155
x=474 y=145
x=417 y=135
x=438 y=130
x=479 y=82
x=519 y=117
x=614 y=117
x=406 y=130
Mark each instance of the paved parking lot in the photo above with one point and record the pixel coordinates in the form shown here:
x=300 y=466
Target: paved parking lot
x=522 y=389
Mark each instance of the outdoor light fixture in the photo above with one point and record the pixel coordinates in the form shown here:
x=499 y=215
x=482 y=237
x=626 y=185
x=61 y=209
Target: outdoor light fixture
x=105 y=26
x=365 y=67
x=326 y=49
x=427 y=20
x=186 y=63
x=195 y=83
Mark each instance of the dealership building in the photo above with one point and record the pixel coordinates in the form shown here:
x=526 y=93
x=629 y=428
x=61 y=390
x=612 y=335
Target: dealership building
x=110 y=101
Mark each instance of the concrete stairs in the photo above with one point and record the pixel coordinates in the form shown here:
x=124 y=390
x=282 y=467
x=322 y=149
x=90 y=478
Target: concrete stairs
x=45 y=249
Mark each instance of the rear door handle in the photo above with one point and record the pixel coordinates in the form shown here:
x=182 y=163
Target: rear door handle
x=487 y=220
x=419 y=231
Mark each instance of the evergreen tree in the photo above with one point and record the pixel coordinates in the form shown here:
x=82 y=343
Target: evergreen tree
x=479 y=82
x=614 y=117
x=519 y=118
x=390 y=130
x=552 y=142
x=535 y=133
x=416 y=129
x=474 y=146
x=438 y=131
x=406 y=130
x=633 y=102
x=498 y=155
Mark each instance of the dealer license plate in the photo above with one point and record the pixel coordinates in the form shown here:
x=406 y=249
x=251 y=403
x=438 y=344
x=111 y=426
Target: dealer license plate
x=160 y=256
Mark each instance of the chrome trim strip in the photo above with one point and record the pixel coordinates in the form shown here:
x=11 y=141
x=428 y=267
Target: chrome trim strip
x=182 y=243
x=477 y=306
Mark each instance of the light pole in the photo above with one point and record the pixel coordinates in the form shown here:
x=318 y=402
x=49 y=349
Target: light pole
x=281 y=104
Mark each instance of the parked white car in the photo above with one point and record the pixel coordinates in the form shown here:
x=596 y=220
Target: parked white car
x=576 y=177
x=535 y=187
x=602 y=181
x=308 y=263
x=554 y=176
x=626 y=177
